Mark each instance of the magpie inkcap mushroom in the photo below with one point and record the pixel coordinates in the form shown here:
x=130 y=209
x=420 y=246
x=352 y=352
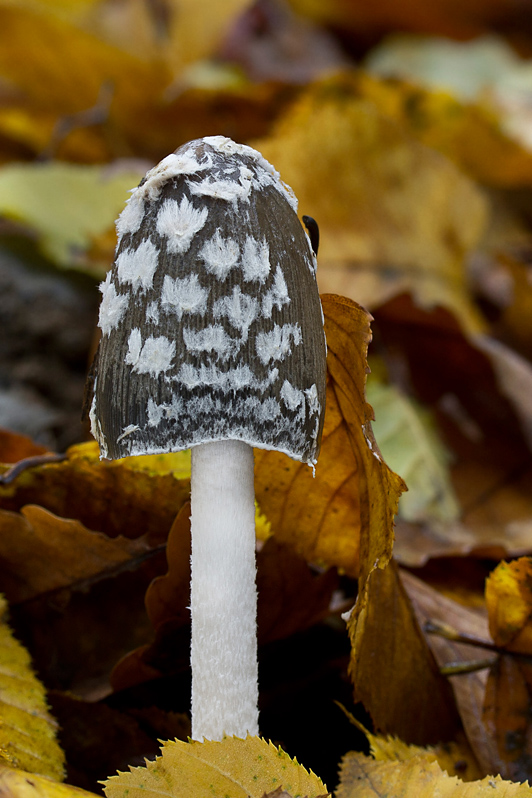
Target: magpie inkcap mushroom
x=212 y=335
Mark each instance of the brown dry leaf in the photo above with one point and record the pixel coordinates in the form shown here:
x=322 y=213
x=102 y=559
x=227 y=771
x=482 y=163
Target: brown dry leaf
x=361 y=176
x=442 y=17
x=491 y=472
x=509 y=603
x=392 y=669
x=354 y=492
x=232 y=768
x=20 y=784
x=363 y=777
x=507 y=715
x=469 y=688
x=74 y=555
x=123 y=499
x=15 y=447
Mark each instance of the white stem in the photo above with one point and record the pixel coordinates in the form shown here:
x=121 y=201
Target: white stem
x=223 y=593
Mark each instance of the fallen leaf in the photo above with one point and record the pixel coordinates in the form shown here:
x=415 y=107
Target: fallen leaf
x=366 y=177
x=27 y=730
x=409 y=442
x=125 y=499
x=232 y=768
x=68 y=205
x=469 y=688
x=507 y=715
x=20 y=784
x=74 y=555
x=509 y=603
x=354 y=492
x=15 y=447
x=363 y=777
x=416 y=704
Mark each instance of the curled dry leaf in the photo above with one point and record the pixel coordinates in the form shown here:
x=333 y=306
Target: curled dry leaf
x=74 y=555
x=27 y=730
x=363 y=777
x=232 y=768
x=343 y=516
x=366 y=177
x=509 y=603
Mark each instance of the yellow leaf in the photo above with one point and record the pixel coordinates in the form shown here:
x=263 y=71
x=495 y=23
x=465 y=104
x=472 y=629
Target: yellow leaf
x=343 y=516
x=509 y=603
x=232 y=768
x=27 y=730
x=68 y=205
x=20 y=784
x=420 y=776
x=394 y=215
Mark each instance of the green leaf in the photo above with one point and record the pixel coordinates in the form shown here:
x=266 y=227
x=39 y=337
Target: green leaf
x=232 y=768
x=27 y=730
x=408 y=439
x=67 y=204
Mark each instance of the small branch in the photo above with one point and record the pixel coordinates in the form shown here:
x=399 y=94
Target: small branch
x=459 y=668
x=29 y=462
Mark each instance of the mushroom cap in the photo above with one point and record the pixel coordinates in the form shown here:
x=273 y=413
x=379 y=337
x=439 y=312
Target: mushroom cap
x=211 y=321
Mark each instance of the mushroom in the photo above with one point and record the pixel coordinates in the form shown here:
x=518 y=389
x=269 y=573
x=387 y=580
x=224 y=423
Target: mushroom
x=212 y=339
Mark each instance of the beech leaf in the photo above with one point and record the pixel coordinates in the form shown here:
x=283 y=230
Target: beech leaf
x=27 y=730
x=232 y=768
x=363 y=777
x=343 y=516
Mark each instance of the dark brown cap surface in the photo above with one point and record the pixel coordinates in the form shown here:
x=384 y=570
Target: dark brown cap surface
x=211 y=320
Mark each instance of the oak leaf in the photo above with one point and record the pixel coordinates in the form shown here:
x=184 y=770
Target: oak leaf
x=232 y=768
x=27 y=730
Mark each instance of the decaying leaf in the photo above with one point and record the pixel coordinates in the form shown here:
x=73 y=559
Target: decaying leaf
x=509 y=603
x=415 y=702
x=410 y=445
x=362 y=177
x=232 y=768
x=27 y=730
x=73 y=554
x=363 y=777
x=354 y=492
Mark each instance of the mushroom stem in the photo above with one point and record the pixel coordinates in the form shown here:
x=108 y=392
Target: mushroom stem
x=223 y=592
